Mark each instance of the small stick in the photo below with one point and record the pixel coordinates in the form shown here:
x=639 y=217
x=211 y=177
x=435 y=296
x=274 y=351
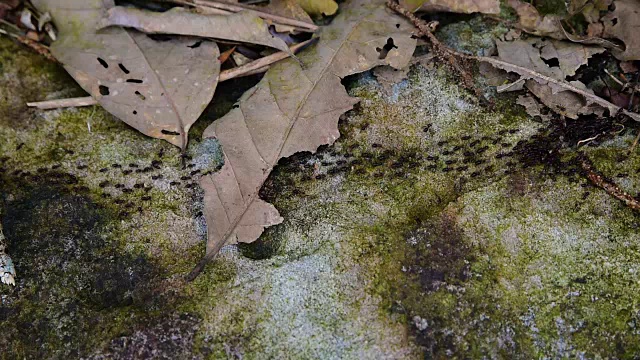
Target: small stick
x=611 y=188
x=255 y=67
x=633 y=91
x=227 y=8
x=451 y=56
x=61 y=103
x=262 y=62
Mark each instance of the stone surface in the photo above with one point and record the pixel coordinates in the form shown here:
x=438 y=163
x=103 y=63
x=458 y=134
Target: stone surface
x=434 y=227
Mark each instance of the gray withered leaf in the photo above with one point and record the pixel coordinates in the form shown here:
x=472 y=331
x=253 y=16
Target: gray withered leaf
x=158 y=87
x=294 y=108
x=244 y=26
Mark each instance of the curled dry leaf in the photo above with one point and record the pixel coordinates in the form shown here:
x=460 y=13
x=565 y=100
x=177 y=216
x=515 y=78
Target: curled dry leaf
x=624 y=24
x=290 y=9
x=157 y=87
x=454 y=6
x=294 y=108
x=319 y=7
x=241 y=27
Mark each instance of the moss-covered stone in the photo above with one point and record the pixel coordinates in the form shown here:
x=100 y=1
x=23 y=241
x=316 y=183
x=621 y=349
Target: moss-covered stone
x=434 y=227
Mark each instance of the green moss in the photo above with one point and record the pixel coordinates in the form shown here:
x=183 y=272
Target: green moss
x=91 y=217
x=475 y=36
x=28 y=77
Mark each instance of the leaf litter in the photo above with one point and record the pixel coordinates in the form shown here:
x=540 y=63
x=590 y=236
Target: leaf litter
x=294 y=108
x=160 y=86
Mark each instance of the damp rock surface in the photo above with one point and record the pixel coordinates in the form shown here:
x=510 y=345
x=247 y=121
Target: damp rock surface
x=435 y=227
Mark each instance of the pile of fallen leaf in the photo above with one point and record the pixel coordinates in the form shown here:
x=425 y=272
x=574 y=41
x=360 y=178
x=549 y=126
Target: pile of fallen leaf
x=155 y=65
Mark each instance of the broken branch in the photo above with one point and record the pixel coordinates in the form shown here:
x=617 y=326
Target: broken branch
x=426 y=29
x=611 y=188
x=219 y=7
x=255 y=67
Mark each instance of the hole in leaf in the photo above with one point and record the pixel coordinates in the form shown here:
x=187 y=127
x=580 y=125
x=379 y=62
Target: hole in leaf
x=124 y=69
x=104 y=90
x=386 y=48
x=142 y=97
x=235 y=106
x=195 y=45
x=614 y=21
x=397 y=26
x=553 y=62
x=135 y=81
x=135 y=112
x=168 y=132
x=103 y=63
x=159 y=37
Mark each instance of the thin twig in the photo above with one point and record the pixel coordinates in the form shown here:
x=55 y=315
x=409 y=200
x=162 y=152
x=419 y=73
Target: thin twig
x=255 y=67
x=454 y=58
x=262 y=62
x=61 y=103
x=451 y=55
x=633 y=91
x=223 y=7
x=615 y=79
x=610 y=187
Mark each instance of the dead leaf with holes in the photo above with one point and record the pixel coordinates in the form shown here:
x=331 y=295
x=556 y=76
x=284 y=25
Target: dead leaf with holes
x=454 y=6
x=158 y=87
x=243 y=27
x=623 y=23
x=548 y=83
x=537 y=55
x=294 y=108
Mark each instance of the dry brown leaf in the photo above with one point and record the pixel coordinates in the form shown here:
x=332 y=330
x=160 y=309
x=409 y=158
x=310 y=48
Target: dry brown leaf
x=533 y=107
x=290 y=9
x=590 y=9
x=294 y=108
x=531 y=52
x=570 y=56
x=565 y=103
x=628 y=67
x=532 y=22
x=493 y=76
x=523 y=53
x=157 y=87
x=243 y=27
x=388 y=76
x=557 y=86
x=454 y=6
x=624 y=24
x=319 y=7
